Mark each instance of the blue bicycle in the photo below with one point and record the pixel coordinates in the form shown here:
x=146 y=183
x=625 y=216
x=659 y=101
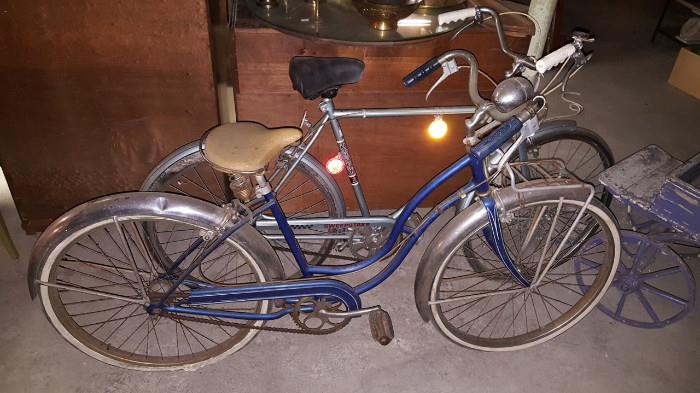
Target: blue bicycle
x=164 y=281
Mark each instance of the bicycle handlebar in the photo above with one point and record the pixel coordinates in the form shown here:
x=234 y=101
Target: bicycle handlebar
x=554 y=58
x=541 y=66
x=421 y=72
x=456 y=16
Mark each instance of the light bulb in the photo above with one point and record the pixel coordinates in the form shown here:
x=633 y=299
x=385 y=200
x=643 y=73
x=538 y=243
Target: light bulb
x=437 y=128
x=335 y=165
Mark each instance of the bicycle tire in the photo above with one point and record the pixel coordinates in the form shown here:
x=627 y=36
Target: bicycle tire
x=562 y=131
x=442 y=255
x=87 y=321
x=188 y=158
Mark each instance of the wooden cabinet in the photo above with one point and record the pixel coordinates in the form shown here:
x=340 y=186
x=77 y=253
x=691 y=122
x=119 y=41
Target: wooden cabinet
x=393 y=156
x=94 y=94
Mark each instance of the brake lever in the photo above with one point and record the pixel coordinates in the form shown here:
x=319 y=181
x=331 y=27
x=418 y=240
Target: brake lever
x=461 y=29
x=448 y=68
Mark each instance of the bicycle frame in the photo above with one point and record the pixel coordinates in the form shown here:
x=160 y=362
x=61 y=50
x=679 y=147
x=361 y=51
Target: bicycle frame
x=332 y=115
x=295 y=289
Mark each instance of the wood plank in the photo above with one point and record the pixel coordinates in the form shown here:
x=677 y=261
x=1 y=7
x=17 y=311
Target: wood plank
x=95 y=95
x=393 y=156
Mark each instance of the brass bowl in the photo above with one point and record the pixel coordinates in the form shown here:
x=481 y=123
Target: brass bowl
x=385 y=14
x=441 y=3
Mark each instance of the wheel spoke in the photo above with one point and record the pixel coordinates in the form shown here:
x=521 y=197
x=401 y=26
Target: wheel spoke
x=647 y=306
x=663 y=294
x=87 y=295
x=485 y=308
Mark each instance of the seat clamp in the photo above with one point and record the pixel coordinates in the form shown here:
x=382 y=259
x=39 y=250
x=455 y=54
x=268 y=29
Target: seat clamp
x=263 y=188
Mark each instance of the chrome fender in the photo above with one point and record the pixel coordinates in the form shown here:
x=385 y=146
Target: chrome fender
x=189 y=210
x=471 y=219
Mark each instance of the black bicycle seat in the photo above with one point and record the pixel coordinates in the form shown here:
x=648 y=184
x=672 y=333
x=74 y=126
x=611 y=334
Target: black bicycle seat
x=322 y=76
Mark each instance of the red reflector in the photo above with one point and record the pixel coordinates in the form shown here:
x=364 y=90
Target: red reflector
x=335 y=165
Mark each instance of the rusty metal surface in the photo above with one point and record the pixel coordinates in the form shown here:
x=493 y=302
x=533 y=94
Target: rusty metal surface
x=95 y=93
x=678 y=201
x=656 y=182
x=638 y=178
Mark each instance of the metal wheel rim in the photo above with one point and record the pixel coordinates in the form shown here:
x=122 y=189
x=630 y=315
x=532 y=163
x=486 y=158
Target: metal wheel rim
x=545 y=332
x=628 y=274
x=92 y=346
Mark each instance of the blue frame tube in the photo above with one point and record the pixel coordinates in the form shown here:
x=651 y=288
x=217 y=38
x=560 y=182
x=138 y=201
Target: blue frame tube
x=396 y=230
x=479 y=183
x=288 y=234
x=494 y=238
x=279 y=290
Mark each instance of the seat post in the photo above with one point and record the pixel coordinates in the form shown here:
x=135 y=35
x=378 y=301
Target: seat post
x=263 y=187
x=265 y=190
x=328 y=108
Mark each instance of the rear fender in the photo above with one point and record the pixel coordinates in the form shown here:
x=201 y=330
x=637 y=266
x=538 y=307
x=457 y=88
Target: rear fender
x=189 y=210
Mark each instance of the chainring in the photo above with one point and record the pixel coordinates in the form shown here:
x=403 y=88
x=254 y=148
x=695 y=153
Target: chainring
x=315 y=322
x=367 y=241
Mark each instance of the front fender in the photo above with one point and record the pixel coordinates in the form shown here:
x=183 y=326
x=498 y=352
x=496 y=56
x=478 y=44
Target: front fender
x=189 y=210
x=471 y=219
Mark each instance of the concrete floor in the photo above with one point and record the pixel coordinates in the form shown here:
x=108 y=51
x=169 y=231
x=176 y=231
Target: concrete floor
x=626 y=99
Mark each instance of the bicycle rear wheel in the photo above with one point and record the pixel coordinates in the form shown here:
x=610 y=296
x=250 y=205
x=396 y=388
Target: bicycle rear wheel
x=487 y=309
x=94 y=297
x=584 y=152
x=309 y=192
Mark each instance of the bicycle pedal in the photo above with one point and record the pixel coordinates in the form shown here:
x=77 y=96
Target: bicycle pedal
x=381 y=327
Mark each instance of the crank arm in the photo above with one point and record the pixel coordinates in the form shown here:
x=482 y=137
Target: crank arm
x=349 y=314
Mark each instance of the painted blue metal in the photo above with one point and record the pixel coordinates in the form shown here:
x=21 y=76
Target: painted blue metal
x=322 y=287
x=400 y=221
x=288 y=234
x=184 y=255
x=494 y=237
x=650 y=273
x=338 y=289
x=497 y=138
x=194 y=283
x=186 y=274
x=405 y=249
x=228 y=314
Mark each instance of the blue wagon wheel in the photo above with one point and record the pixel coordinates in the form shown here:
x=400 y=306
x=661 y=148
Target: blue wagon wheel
x=653 y=286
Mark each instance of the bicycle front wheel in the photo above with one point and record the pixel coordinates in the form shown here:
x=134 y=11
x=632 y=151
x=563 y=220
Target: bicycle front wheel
x=97 y=280
x=487 y=309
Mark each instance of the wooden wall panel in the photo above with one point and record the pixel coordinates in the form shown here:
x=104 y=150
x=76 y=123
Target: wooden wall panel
x=95 y=93
x=393 y=156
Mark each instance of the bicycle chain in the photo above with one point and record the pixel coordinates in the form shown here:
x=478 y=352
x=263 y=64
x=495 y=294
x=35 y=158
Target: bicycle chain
x=246 y=326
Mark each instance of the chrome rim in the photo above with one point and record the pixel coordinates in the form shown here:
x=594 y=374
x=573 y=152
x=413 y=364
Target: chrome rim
x=102 y=259
x=488 y=309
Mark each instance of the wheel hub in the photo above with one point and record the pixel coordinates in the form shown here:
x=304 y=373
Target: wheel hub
x=629 y=283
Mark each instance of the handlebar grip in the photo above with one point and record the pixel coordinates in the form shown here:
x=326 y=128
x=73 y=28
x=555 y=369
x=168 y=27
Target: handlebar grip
x=421 y=72
x=497 y=138
x=555 y=58
x=454 y=16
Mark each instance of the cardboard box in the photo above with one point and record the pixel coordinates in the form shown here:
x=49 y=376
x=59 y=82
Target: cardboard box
x=686 y=73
